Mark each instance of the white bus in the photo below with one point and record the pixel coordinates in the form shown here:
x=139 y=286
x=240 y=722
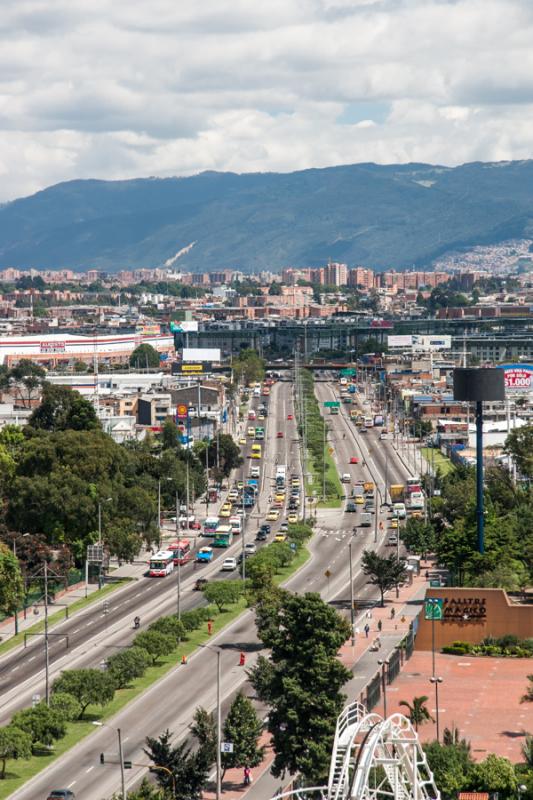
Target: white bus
x=161 y=564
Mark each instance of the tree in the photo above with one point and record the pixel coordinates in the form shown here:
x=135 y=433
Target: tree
x=223 y=593
x=528 y=696
x=248 y=367
x=418 y=713
x=146 y=791
x=494 y=774
x=302 y=686
x=122 y=541
x=87 y=686
x=519 y=445
x=26 y=379
x=204 y=729
x=61 y=409
x=224 y=452
x=419 y=536
x=384 y=572
x=11 y=583
x=43 y=724
x=14 y=744
x=145 y=357
x=189 y=770
x=125 y=666
x=66 y=705
x=243 y=728
x=450 y=765
x=275 y=289
x=169 y=435
x=170 y=625
x=156 y=644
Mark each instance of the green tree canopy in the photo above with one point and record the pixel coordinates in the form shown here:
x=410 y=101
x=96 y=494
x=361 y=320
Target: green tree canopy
x=87 y=686
x=145 y=357
x=14 y=744
x=519 y=445
x=189 y=770
x=301 y=681
x=61 y=409
x=126 y=665
x=43 y=724
x=385 y=572
x=11 y=583
x=204 y=730
x=223 y=593
x=242 y=728
x=248 y=367
x=417 y=711
x=156 y=644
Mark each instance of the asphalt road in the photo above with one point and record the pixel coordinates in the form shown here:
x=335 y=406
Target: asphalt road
x=172 y=701
x=93 y=635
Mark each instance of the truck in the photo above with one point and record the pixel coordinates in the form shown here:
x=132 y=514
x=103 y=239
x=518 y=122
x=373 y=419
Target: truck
x=397 y=492
x=378 y=420
x=413 y=485
x=281 y=475
x=369 y=422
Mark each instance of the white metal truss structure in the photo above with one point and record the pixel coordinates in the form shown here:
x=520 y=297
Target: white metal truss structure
x=374 y=759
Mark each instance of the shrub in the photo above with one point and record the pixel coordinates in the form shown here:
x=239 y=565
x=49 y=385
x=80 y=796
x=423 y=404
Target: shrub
x=170 y=626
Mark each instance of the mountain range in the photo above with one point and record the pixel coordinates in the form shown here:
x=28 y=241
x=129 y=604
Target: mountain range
x=362 y=214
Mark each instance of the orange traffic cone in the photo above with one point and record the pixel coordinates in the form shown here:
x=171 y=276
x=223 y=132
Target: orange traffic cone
x=184 y=659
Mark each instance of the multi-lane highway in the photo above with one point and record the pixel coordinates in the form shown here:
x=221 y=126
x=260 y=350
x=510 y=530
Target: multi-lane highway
x=172 y=701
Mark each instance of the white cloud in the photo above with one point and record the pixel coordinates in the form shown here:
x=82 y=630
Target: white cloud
x=122 y=88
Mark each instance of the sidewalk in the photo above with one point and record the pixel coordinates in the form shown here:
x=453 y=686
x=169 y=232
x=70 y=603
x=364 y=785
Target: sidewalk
x=65 y=599
x=359 y=659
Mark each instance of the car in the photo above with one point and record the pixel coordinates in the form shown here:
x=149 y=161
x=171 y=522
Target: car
x=284 y=527
x=280 y=434
x=359 y=499
x=240 y=485
x=255 y=472
x=242 y=440
x=61 y=794
x=354 y=460
x=250 y=548
x=251 y=432
x=350 y=506
x=363 y=430
x=273 y=515
x=200 y=583
x=400 y=510
x=345 y=477
x=295 y=483
x=280 y=537
x=229 y=564
x=293 y=518
x=225 y=512
x=279 y=497
x=233 y=495
x=261 y=535
x=392 y=540
x=394 y=522
x=204 y=555
x=289 y=416
x=266 y=528
x=369 y=506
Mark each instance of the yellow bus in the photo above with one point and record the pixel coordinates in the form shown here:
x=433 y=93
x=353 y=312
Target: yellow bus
x=256 y=451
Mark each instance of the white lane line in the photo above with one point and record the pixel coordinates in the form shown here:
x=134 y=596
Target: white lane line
x=89 y=769
x=31 y=659
x=71 y=784
x=91 y=622
x=14 y=669
x=75 y=630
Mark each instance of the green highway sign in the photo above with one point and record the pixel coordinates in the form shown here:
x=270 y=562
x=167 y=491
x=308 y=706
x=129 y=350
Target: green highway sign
x=332 y=404
x=348 y=373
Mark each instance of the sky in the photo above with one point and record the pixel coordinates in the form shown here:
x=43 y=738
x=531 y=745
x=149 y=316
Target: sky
x=128 y=88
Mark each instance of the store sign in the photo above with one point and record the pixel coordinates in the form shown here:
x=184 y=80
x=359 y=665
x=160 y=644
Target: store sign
x=182 y=411
x=464 y=609
x=193 y=369
x=52 y=347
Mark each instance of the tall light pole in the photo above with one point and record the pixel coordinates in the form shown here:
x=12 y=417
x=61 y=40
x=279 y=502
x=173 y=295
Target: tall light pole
x=219 y=722
x=120 y=755
x=352 y=610
x=434 y=680
x=107 y=500
x=178 y=531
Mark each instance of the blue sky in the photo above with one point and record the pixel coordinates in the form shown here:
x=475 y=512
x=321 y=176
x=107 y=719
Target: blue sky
x=125 y=88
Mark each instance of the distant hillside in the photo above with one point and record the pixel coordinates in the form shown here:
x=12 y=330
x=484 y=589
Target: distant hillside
x=380 y=216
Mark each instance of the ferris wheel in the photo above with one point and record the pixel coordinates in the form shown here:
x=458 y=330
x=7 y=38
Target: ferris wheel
x=373 y=759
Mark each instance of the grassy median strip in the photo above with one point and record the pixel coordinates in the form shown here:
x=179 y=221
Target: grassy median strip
x=438 y=459
x=19 y=772
x=58 y=613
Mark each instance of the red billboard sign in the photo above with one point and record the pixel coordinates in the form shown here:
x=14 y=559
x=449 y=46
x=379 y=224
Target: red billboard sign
x=518 y=377
x=182 y=411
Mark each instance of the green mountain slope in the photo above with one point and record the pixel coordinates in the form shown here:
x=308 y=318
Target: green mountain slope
x=380 y=216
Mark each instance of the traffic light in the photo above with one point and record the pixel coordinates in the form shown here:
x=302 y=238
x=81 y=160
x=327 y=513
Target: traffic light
x=102 y=758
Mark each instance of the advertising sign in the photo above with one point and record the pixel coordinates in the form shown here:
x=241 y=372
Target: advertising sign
x=432 y=342
x=182 y=411
x=518 y=377
x=433 y=608
x=187 y=326
x=52 y=347
x=200 y=354
x=400 y=341
x=332 y=404
x=193 y=369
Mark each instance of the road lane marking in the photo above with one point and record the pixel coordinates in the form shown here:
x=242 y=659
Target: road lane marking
x=75 y=630
x=71 y=784
x=31 y=659
x=89 y=769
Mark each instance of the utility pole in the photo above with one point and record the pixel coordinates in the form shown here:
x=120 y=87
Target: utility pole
x=46 y=643
x=178 y=531
x=352 y=610
x=219 y=732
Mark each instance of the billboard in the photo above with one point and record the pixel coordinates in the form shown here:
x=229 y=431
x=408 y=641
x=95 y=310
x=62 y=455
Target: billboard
x=518 y=377
x=432 y=342
x=400 y=341
x=192 y=369
x=187 y=326
x=200 y=354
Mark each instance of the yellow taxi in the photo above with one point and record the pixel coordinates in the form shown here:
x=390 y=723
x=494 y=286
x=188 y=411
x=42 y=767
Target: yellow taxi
x=251 y=432
x=359 y=500
x=225 y=511
x=272 y=515
x=242 y=440
x=292 y=518
x=394 y=522
x=295 y=483
x=279 y=497
x=280 y=537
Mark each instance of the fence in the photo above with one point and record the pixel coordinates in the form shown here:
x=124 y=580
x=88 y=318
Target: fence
x=402 y=653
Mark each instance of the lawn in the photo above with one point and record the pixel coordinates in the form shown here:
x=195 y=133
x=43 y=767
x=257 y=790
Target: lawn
x=315 y=485
x=18 y=772
x=443 y=464
x=59 y=612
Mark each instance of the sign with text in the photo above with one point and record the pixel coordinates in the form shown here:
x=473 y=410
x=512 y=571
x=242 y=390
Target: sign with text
x=193 y=369
x=182 y=411
x=518 y=377
x=332 y=404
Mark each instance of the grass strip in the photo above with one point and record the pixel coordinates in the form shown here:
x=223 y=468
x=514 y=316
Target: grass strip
x=19 y=772
x=438 y=459
x=55 y=615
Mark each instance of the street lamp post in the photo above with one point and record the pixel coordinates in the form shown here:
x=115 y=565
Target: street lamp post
x=219 y=722
x=178 y=531
x=436 y=682
x=120 y=755
x=383 y=665
x=352 y=610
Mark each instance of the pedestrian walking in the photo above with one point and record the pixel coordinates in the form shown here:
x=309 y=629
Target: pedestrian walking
x=247 y=776
x=392 y=613
x=380 y=625
x=367 y=629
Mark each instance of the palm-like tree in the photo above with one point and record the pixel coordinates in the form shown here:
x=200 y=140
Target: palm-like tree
x=417 y=712
x=528 y=696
